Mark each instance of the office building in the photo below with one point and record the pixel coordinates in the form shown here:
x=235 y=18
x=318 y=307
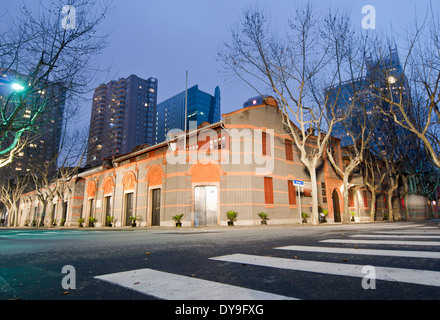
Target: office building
x=382 y=77
x=123 y=117
x=201 y=107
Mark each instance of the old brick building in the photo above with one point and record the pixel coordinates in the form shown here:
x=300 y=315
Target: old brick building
x=247 y=162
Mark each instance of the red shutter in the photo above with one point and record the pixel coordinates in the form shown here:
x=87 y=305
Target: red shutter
x=263 y=142
x=350 y=198
x=268 y=190
x=365 y=199
x=266 y=144
x=289 y=149
x=292 y=193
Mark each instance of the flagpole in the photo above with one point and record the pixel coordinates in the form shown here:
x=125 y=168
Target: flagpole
x=186 y=107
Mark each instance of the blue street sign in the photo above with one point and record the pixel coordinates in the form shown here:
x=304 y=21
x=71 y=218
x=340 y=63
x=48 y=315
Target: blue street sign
x=298 y=183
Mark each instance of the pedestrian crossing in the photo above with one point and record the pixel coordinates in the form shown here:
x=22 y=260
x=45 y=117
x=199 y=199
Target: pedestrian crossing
x=414 y=242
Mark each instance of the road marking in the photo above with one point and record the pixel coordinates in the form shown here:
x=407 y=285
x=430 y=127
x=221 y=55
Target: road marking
x=409 y=232
x=392 y=253
x=416 y=236
x=423 y=277
x=168 y=286
x=387 y=242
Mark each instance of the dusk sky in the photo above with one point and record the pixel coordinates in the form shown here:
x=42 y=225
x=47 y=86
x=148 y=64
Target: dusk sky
x=166 y=38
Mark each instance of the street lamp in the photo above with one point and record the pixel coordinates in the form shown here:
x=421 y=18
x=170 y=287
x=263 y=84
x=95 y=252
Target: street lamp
x=17 y=87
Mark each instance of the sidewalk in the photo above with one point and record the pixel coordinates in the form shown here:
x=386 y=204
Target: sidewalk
x=433 y=222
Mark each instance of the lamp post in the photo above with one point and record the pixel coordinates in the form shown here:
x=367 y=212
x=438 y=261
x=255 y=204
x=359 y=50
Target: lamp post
x=17 y=87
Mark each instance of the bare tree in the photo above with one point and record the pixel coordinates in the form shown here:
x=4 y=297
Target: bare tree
x=10 y=193
x=51 y=177
x=295 y=69
x=359 y=127
x=49 y=49
x=374 y=176
x=422 y=67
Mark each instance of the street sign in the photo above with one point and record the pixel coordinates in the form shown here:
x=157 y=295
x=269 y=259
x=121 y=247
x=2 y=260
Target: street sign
x=298 y=183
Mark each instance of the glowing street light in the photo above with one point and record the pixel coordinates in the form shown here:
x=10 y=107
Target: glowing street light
x=17 y=87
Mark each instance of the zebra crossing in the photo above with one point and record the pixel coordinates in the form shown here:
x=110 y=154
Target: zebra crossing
x=412 y=242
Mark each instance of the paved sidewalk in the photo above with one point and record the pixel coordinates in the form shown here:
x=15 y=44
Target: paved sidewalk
x=433 y=222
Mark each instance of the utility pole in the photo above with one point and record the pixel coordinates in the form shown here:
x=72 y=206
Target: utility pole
x=186 y=109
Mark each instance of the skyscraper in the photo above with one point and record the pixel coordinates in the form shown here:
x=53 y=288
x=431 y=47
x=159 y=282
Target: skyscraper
x=201 y=107
x=123 y=117
x=384 y=76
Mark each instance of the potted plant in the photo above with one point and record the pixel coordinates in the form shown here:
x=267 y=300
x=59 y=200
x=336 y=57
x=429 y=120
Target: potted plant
x=324 y=215
x=62 y=222
x=178 y=219
x=26 y=223
x=109 y=220
x=81 y=221
x=34 y=223
x=352 y=215
x=232 y=216
x=133 y=220
x=92 y=221
x=264 y=217
x=304 y=216
x=54 y=222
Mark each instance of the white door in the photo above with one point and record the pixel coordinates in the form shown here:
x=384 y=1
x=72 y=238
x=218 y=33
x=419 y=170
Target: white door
x=205 y=206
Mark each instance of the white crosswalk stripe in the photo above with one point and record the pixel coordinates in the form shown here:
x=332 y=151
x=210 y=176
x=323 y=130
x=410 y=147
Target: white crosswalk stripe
x=170 y=286
x=413 y=276
x=381 y=242
x=372 y=252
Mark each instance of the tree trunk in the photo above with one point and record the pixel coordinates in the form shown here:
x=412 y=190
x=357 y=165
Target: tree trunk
x=406 y=188
x=43 y=214
x=346 y=217
x=373 y=205
x=315 y=204
x=390 y=201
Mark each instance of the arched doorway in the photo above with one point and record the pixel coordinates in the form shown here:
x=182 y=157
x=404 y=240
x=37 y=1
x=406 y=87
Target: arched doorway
x=336 y=207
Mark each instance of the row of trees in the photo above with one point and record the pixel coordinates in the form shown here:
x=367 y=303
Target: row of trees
x=319 y=51
x=49 y=47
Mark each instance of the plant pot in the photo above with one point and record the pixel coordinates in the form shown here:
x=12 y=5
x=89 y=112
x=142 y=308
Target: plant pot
x=178 y=224
x=230 y=223
x=263 y=222
x=133 y=224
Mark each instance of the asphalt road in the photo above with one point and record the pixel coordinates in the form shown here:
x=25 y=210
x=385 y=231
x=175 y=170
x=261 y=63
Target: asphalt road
x=32 y=261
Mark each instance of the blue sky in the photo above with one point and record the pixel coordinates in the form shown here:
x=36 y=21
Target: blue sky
x=166 y=38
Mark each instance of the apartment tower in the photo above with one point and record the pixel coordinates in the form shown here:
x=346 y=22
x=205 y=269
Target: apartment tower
x=123 y=117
